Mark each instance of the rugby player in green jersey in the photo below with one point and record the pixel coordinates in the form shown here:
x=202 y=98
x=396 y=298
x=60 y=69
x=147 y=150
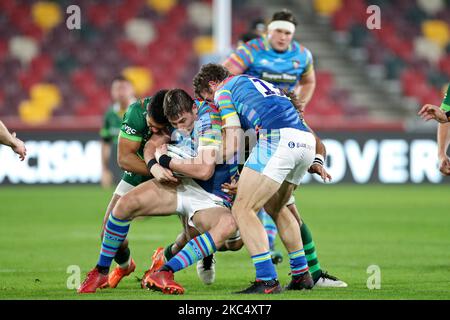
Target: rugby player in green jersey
x=441 y=115
x=122 y=95
x=142 y=118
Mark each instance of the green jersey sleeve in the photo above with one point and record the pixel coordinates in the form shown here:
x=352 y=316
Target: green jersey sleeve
x=446 y=103
x=134 y=126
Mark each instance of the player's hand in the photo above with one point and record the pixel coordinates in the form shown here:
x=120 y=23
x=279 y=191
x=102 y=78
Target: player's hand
x=321 y=171
x=163 y=175
x=444 y=166
x=429 y=112
x=160 y=151
x=19 y=147
x=230 y=188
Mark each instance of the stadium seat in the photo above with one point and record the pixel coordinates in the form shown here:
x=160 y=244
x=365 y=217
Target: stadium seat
x=46 y=95
x=141 y=78
x=203 y=45
x=444 y=65
x=327 y=7
x=437 y=31
x=161 y=7
x=23 y=48
x=33 y=112
x=46 y=15
x=431 y=7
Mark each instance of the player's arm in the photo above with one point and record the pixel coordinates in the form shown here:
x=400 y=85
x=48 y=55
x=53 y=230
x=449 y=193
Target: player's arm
x=232 y=134
x=127 y=157
x=317 y=166
x=201 y=167
x=133 y=128
x=12 y=141
x=443 y=141
x=160 y=173
x=240 y=60
x=304 y=88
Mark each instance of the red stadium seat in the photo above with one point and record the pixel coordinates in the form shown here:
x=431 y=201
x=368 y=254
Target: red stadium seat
x=444 y=65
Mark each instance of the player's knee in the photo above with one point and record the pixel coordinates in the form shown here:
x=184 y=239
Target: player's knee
x=228 y=225
x=239 y=209
x=126 y=207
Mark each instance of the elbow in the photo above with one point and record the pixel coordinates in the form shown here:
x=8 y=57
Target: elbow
x=206 y=173
x=121 y=161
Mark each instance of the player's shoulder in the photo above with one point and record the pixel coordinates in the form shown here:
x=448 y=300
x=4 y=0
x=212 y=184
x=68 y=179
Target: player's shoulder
x=299 y=49
x=255 y=45
x=139 y=105
x=138 y=109
x=206 y=109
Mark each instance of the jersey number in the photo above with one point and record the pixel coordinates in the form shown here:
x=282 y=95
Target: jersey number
x=267 y=89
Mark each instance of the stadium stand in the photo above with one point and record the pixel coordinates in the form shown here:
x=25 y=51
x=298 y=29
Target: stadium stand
x=158 y=43
x=412 y=45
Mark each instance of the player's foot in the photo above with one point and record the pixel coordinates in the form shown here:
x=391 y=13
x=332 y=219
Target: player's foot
x=158 y=260
x=206 y=269
x=163 y=281
x=118 y=273
x=304 y=281
x=94 y=280
x=276 y=256
x=328 y=281
x=264 y=287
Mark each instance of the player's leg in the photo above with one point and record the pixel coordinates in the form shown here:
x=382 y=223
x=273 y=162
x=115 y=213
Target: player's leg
x=126 y=264
x=289 y=232
x=253 y=192
x=271 y=230
x=216 y=226
x=162 y=255
x=321 y=278
x=148 y=199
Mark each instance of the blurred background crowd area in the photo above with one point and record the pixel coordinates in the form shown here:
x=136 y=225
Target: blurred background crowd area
x=377 y=77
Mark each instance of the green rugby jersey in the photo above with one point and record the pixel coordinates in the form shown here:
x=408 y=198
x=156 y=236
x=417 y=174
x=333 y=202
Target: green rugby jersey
x=112 y=121
x=446 y=103
x=134 y=125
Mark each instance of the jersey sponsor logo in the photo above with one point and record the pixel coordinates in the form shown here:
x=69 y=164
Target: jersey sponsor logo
x=278 y=77
x=297 y=145
x=129 y=130
x=296 y=64
x=265 y=62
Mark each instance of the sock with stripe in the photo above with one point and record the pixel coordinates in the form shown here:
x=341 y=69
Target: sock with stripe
x=269 y=226
x=265 y=270
x=310 y=252
x=195 y=250
x=298 y=263
x=116 y=231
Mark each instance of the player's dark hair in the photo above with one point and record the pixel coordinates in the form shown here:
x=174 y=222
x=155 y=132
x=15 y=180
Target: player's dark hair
x=285 y=15
x=155 y=108
x=176 y=102
x=209 y=72
x=245 y=37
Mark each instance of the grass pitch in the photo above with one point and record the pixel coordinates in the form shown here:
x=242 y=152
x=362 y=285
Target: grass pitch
x=404 y=230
